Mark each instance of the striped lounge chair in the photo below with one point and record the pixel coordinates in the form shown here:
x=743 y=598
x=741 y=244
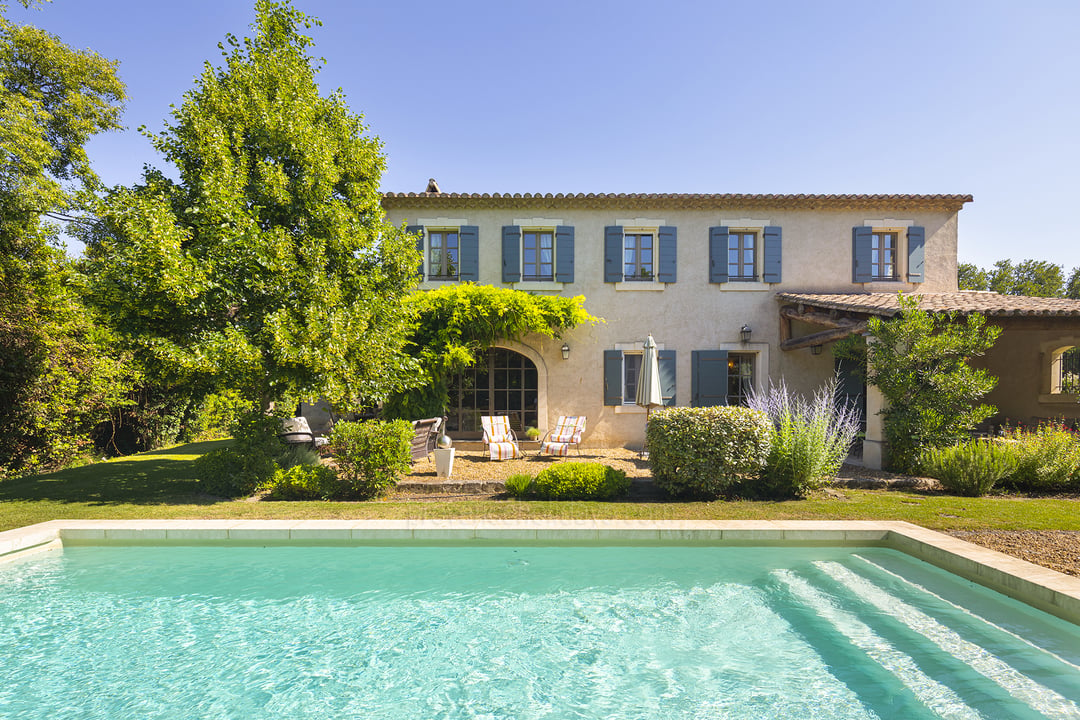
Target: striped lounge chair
x=499 y=439
x=567 y=432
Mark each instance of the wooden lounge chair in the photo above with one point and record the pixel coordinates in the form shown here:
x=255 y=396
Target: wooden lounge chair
x=425 y=437
x=567 y=432
x=499 y=440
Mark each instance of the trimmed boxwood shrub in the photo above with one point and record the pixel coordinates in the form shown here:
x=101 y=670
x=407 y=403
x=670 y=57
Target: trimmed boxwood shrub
x=579 y=481
x=709 y=451
x=371 y=456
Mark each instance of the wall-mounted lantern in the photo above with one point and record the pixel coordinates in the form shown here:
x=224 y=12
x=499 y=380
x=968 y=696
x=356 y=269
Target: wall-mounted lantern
x=744 y=333
x=815 y=349
x=565 y=351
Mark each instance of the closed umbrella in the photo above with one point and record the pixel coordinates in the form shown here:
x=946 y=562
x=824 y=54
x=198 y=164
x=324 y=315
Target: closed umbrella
x=648 y=387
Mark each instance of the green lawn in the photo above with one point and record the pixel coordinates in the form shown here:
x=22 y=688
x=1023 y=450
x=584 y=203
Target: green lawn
x=161 y=484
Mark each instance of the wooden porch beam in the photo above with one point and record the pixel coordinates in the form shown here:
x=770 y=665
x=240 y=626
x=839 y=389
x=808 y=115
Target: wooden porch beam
x=817 y=318
x=826 y=336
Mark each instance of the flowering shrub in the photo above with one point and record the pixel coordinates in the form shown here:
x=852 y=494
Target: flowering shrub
x=707 y=451
x=1047 y=458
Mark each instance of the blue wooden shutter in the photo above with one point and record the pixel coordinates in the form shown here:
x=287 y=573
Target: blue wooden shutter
x=708 y=377
x=613 y=253
x=667 y=254
x=666 y=363
x=861 y=243
x=772 y=240
x=916 y=253
x=564 y=254
x=511 y=253
x=411 y=229
x=718 y=242
x=613 y=377
x=469 y=253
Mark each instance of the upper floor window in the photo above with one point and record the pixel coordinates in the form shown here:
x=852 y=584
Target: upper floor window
x=637 y=256
x=888 y=250
x=642 y=249
x=750 y=252
x=538 y=250
x=742 y=253
x=883 y=255
x=538 y=255
x=449 y=249
x=443 y=254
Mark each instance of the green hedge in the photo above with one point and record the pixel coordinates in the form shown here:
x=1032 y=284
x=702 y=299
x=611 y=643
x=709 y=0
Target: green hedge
x=579 y=481
x=707 y=452
x=371 y=456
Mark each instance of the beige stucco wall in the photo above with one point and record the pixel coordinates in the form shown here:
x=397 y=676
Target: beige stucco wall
x=690 y=314
x=1021 y=360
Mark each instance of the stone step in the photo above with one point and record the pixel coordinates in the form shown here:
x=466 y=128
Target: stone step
x=641 y=489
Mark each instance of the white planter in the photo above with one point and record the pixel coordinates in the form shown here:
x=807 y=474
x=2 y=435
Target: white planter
x=444 y=461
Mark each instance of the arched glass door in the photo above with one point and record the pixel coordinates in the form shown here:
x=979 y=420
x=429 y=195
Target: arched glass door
x=502 y=383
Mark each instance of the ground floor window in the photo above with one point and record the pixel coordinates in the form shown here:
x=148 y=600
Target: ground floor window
x=631 y=373
x=503 y=382
x=740 y=378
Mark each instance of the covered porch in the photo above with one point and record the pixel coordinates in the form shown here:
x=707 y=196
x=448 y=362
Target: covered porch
x=1036 y=359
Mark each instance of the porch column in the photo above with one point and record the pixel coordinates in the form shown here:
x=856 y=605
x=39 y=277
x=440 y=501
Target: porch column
x=874 y=442
x=873 y=453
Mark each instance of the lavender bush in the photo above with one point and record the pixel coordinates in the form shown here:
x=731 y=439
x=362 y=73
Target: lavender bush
x=812 y=438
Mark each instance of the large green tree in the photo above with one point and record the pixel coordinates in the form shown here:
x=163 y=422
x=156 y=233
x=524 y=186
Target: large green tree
x=58 y=373
x=1034 y=278
x=267 y=265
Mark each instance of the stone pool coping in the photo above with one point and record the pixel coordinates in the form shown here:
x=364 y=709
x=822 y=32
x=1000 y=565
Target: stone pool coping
x=1046 y=589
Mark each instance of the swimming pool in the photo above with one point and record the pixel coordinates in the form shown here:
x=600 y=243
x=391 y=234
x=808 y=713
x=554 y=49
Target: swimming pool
x=678 y=629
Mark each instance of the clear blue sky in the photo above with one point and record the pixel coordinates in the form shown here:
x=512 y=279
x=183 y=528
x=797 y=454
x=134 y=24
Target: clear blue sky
x=859 y=96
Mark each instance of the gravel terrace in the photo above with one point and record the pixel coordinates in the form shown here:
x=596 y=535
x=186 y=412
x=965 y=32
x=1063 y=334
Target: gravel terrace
x=475 y=476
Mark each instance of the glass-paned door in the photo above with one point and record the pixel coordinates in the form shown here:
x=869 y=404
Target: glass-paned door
x=502 y=383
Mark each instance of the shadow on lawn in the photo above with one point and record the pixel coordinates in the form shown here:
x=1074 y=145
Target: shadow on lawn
x=152 y=478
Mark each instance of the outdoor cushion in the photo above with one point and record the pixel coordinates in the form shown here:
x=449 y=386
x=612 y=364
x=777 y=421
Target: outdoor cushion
x=567 y=432
x=499 y=438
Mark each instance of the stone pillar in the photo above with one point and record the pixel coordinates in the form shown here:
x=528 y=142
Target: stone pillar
x=874 y=444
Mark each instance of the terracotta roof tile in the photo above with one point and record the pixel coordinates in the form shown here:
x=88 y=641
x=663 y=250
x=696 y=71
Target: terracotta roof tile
x=676 y=201
x=987 y=303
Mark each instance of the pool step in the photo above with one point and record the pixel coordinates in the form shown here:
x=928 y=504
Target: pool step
x=887 y=626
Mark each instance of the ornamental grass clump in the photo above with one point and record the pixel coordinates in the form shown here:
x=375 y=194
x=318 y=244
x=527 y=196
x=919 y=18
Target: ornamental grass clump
x=517 y=485
x=970 y=468
x=1047 y=458
x=707 y=451
x=811 y=439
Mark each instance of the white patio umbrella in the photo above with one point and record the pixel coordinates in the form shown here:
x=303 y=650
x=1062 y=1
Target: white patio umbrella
x=648 y=386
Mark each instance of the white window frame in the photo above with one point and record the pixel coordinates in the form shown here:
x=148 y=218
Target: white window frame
x=632 y=348
x=640 y=226
x=745 y=225
x=538 y=224
x=440 y=224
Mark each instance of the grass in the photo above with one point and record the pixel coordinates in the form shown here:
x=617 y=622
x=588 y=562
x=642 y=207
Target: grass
x=161 y=484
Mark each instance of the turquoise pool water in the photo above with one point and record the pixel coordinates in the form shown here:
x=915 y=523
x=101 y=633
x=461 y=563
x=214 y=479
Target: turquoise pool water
x=520 y=632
